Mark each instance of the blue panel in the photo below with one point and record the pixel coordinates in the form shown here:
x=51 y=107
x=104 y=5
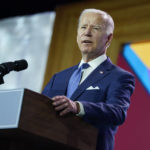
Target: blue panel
x=138 y=66
x=10 y=108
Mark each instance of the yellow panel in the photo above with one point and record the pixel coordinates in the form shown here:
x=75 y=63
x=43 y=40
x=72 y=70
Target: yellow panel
x=143 y=52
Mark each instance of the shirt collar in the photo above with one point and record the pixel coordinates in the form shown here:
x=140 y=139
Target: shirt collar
x=95 y=62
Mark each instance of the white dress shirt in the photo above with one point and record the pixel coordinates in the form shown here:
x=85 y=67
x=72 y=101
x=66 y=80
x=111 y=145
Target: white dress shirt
x=86 y=72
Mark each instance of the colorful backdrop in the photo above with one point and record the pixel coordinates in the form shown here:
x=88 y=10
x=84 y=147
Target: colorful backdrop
x=135 y=133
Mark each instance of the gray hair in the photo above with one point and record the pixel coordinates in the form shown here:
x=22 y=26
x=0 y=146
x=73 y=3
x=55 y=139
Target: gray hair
x=106 y=16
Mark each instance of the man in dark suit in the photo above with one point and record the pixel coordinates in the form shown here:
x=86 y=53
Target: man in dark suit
x=95 y=89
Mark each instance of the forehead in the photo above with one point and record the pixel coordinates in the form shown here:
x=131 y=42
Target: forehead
x=90 y=18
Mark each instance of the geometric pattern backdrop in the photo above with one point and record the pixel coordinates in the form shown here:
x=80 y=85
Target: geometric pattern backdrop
x=138 y=57
x=134 y=134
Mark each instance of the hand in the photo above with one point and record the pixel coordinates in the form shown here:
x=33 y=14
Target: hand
x=65 y=105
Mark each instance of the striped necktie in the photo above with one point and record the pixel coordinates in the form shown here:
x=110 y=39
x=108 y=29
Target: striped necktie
x=75 y=79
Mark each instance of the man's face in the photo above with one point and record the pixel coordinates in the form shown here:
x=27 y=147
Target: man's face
x=92 y=37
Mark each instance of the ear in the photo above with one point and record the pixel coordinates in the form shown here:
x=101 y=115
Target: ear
x=109 y=39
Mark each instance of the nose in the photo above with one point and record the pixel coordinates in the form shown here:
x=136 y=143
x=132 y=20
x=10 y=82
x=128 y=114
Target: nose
x=88 y=32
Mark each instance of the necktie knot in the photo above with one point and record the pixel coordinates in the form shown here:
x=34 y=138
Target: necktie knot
x=85 y=66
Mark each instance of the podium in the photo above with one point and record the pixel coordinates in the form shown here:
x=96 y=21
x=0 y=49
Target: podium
x=29 y=121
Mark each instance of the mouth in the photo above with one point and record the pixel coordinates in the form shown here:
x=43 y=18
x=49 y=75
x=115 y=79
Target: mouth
x=87 y=42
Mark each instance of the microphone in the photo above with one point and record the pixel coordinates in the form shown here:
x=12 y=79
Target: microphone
x=18 y=65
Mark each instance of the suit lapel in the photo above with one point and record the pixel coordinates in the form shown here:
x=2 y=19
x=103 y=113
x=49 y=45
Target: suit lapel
x=98 y=74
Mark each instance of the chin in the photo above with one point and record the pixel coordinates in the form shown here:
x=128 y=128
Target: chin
x=86 y=51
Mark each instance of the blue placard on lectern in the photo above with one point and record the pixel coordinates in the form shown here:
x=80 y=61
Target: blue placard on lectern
x=10 y=108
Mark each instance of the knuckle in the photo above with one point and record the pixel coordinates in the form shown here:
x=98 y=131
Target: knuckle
x=66 y=104
x=63 y=100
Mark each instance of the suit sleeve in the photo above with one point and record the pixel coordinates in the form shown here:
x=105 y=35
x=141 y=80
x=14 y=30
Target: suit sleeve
x=47 y=88
x=114 y=110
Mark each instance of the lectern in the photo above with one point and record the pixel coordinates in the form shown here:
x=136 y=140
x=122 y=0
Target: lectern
x=28 y=121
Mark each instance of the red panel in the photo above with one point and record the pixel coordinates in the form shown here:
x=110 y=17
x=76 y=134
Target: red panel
x=134 y=134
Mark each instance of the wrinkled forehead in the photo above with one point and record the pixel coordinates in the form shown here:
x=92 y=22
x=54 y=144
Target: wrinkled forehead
x=92 y=18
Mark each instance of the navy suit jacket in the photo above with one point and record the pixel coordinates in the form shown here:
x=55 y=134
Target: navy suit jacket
x=106 y=107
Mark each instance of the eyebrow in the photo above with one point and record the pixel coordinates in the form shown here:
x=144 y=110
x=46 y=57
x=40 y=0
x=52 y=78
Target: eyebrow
x=83 y=24
x=100 y=26
x=92 y=25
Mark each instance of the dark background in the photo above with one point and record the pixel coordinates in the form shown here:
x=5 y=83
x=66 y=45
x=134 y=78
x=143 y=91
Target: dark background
x=10 y=8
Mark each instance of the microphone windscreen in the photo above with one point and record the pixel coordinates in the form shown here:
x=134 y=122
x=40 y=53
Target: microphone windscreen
x=20 y=65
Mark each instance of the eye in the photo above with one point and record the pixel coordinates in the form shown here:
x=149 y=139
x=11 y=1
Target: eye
x=96 y=28
x=83 y=27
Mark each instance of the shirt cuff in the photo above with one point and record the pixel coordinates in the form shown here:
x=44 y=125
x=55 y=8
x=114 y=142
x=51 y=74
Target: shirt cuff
x=81 y=112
